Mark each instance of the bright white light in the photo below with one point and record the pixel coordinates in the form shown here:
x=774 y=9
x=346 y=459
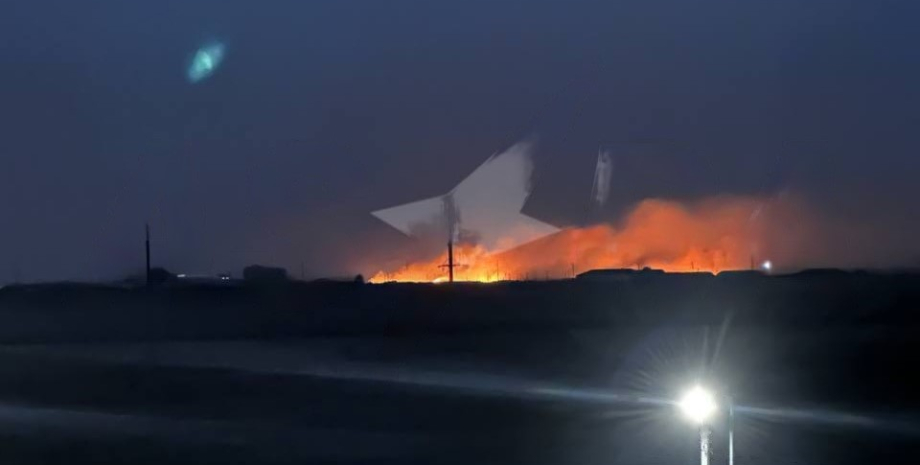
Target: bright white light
x=767 y=265
x=698 y=405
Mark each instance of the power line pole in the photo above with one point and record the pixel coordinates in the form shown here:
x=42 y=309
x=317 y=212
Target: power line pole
x=450 y=261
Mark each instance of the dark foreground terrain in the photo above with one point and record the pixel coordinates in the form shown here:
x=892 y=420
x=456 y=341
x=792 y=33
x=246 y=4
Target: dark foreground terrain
x=822 y=366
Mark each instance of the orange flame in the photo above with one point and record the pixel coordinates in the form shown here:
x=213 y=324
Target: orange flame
x=713 y=235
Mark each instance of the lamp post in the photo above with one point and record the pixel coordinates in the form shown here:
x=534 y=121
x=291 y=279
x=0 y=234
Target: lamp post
x=698 y=405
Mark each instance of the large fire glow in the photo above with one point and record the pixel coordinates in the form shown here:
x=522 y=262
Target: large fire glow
x=712 y=235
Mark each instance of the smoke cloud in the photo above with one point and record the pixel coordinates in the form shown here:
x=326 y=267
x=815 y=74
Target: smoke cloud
x=713 y=234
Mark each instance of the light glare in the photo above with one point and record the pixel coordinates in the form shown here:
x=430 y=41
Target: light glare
x=698 y=405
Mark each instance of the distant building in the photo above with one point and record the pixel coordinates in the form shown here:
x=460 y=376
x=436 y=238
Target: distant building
x=264 y=274
x=617 y=274
x=220 y=279
x=741 y=274
x=358 y=279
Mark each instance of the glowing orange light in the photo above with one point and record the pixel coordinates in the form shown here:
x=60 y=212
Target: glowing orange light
x=708 y=236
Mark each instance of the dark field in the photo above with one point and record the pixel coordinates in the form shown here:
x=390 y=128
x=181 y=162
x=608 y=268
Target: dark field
x=539 y=372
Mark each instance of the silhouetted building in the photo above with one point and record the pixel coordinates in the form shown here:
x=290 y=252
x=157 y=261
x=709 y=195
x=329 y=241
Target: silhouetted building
x=159 y=275
x=264 y=274
x=617 y=274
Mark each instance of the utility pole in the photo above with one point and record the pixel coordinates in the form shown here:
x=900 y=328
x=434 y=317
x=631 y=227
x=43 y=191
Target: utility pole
x=450 y=261
x=147 y=250
x=453 y=219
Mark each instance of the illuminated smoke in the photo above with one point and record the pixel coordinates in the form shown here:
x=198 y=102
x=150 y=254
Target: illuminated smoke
x=712 y=235
x=600 y=191
x=485 y=205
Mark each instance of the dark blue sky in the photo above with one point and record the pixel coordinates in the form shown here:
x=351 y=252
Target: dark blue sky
x=325 y=110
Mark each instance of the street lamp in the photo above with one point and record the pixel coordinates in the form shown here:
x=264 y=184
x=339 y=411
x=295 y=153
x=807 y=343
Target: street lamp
x=698 y=405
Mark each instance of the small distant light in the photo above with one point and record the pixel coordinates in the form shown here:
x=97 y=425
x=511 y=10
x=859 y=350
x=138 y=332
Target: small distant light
x=766 y=265
x=180 y=275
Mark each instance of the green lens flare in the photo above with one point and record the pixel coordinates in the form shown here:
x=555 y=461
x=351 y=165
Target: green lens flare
x=205 y=62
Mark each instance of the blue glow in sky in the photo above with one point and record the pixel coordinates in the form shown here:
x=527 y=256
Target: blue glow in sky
x=205 y=62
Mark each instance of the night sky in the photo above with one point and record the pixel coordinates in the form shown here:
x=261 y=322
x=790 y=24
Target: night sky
x=323 y=111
